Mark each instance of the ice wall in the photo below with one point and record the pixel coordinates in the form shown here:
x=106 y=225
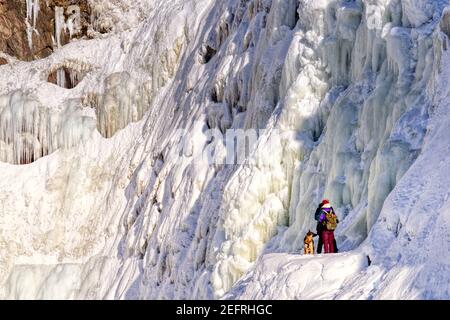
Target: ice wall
x=351 y=144
x=351 y=125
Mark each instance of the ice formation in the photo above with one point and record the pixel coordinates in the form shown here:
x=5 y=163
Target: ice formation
x=69 y=73
x=110 y=16
x=74 y=20
x=349 y=100
x=30 y=131
x=25 y=129
x=62 y=25
x=33 y=8
x=123 y=102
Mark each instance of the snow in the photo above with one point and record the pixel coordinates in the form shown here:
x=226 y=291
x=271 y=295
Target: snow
x=283 y=276
x=345 y=100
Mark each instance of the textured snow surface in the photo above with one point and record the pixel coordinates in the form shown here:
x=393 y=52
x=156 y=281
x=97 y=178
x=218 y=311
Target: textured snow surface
x=352 y=102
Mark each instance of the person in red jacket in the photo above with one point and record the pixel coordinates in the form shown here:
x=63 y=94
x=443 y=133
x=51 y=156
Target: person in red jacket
x=329 y=221
x=320 y=226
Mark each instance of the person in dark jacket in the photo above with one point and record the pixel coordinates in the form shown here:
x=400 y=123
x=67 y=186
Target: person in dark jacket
x=320 y=227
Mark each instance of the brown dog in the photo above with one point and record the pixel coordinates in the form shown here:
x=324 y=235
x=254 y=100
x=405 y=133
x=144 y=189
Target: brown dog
x=309 y=242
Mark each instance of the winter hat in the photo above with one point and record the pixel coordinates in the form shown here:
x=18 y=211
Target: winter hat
x=325 y=202
x=326 y=206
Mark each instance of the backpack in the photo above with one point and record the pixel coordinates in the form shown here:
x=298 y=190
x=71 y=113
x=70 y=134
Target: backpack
x=331 y=222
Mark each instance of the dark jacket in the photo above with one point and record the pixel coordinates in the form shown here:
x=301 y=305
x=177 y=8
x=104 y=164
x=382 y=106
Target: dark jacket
x=317 y=214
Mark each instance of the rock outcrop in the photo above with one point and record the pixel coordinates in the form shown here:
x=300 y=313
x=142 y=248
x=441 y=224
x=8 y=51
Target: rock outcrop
x=28 y=33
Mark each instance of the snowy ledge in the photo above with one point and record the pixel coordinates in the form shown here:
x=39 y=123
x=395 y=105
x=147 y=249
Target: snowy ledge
x=288 y=276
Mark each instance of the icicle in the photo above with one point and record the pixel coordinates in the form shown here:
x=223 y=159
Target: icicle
x=29 y=34
x=61 y=78
x=59 y=24
x=74 y=79
x=70 y=27
x=73 y=22
x=29 y=131
x=29 y=9
x=20 y=122
x=36 y=8
x=33 y=8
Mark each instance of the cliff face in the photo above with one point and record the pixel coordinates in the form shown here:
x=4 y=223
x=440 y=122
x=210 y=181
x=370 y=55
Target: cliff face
x=28 y=33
